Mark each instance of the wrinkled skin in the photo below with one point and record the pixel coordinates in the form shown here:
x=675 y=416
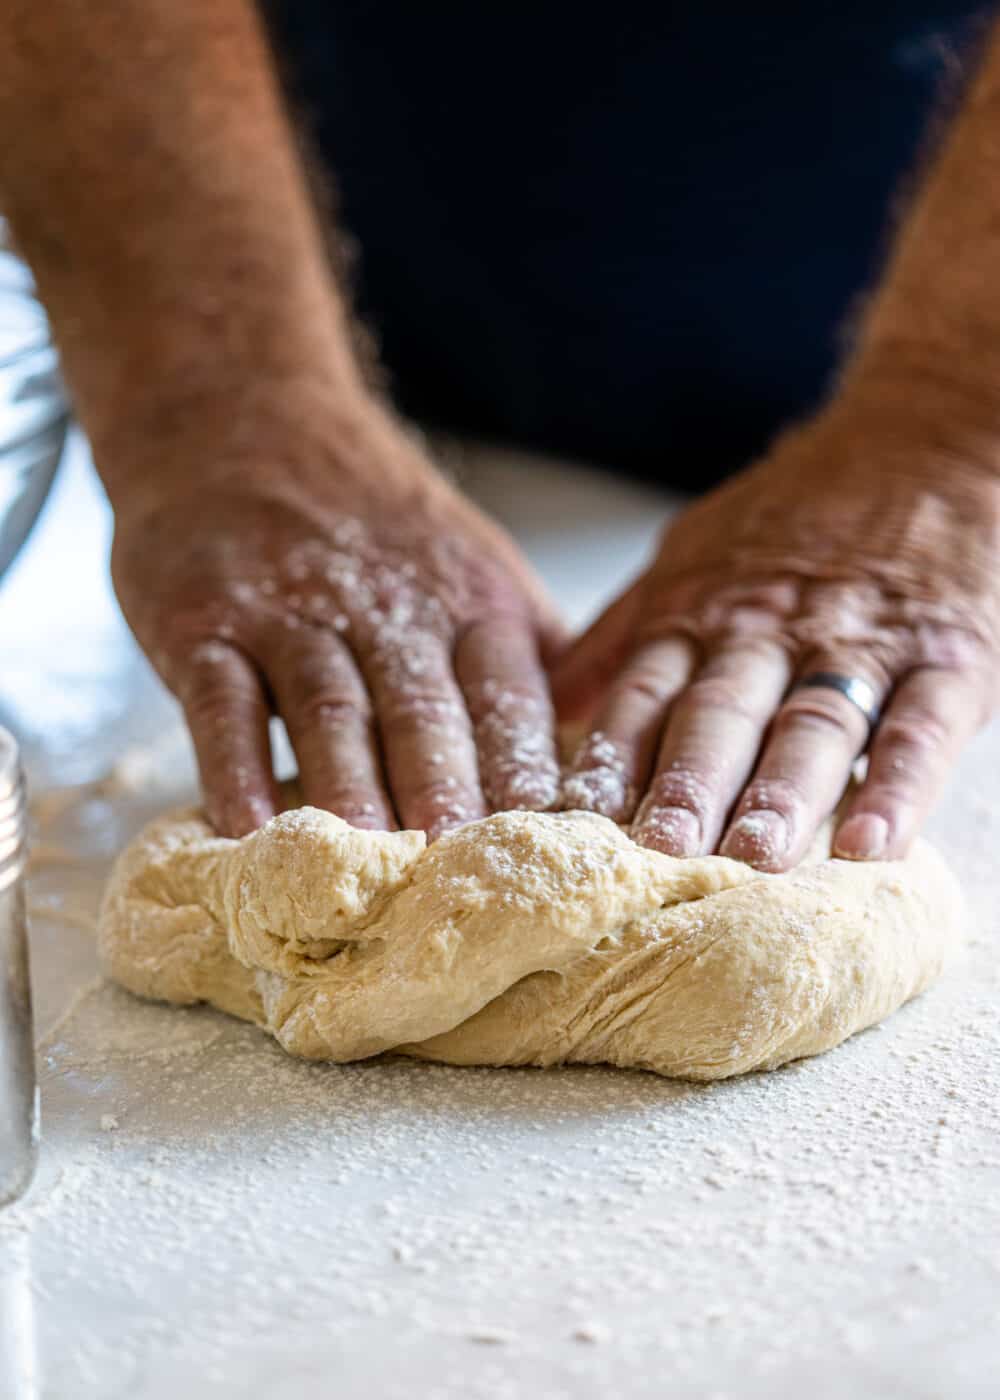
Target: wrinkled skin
x=849 y=549
x=397 y=632
x=401 y=637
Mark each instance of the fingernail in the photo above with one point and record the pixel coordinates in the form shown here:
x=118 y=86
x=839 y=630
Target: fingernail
x=758 y=838
x=863 y=837
x=673 y=830
x=236 y=821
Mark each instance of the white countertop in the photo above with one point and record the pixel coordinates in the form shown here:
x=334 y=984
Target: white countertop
x=213 y=1219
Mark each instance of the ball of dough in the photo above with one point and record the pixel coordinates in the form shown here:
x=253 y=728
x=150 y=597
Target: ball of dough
x=524 y=938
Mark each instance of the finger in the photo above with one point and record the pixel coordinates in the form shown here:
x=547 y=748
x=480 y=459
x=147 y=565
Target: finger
x=227 y=711
x=507 y=695
x=931 y=716
x=582 y=674
x=426 y=734
x=330 y=721
x=613 y=763
x=816 y=736
x=710 y=745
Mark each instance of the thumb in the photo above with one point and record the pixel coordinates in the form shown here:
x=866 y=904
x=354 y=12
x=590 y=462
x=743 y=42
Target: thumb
x=581 y=674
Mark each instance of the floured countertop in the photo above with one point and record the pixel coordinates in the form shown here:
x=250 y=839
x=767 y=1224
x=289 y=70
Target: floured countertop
x=213 y=1219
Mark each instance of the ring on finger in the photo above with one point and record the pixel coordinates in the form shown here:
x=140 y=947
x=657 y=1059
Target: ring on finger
x=859 y=690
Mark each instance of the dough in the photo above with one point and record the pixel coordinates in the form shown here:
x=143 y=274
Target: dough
x=522 y=939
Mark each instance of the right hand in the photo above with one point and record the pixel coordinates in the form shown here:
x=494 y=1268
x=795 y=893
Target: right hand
x=398 y=633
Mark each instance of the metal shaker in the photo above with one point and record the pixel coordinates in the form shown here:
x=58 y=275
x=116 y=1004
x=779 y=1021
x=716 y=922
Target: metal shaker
x=18 y=1084
x=34 y=414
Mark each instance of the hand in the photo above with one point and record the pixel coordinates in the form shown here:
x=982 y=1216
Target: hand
x=396 y=631
x=851 y=549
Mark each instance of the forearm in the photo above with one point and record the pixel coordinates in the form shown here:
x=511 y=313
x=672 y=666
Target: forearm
x=154 y=187
x=929 y=345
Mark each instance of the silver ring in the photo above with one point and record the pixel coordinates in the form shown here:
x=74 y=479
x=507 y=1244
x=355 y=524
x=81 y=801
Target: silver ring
x=861 y=693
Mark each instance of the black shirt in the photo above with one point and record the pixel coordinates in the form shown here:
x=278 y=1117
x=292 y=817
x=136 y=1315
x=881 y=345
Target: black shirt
x=633 y=233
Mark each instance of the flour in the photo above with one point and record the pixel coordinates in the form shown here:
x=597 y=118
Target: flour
x=106 y=1034
x=489 y=1222
x=55 y=906
x=599 y=779
x=668 y=1218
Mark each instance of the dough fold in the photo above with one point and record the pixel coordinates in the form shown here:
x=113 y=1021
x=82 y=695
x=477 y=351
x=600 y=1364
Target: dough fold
x=522 y=939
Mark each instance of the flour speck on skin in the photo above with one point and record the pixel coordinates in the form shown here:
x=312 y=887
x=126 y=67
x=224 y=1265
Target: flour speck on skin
x=598 y=781
x=667 y=829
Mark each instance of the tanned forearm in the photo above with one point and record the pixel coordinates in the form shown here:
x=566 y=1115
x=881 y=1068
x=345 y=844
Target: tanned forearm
x=929 y=348
x=152 y=181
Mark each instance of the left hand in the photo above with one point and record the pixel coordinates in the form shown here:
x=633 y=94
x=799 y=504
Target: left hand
x=851 y=549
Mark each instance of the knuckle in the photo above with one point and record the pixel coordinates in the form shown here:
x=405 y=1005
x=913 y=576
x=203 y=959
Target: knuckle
x=749 y=644
x=205 y=660
x=220 y=693
x=496 y=628
x=708 y=693
x=333 y=709
x=824 y=716
x=644 y=683
x=400 y=651
x=951 y=647
x=413 y=712
x=210 y=699
x=783 y=795
x=510 y=700
x=431 y=789
x=909 y=751
x=680 y=786
x=919 y=733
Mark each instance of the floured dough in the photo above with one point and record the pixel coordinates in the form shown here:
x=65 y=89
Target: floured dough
x=522 y=939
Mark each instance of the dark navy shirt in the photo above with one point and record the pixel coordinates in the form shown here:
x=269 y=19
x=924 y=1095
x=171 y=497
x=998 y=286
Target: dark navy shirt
x=632 y=232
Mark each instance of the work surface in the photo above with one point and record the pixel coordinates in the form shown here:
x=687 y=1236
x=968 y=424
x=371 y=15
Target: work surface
x=212 y=1219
